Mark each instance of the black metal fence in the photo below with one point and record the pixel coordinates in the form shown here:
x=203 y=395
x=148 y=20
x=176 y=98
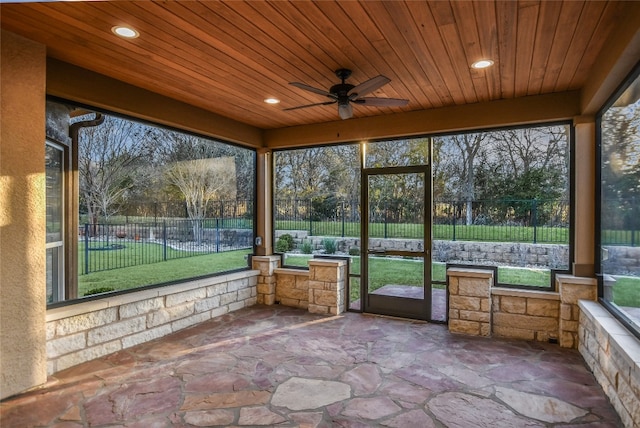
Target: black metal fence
x=620 y=218
x=517 y=220
x=113 y=246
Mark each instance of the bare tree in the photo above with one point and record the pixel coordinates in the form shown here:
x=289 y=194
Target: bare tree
x=107 y=157
x=202 y=181
x=467 y=147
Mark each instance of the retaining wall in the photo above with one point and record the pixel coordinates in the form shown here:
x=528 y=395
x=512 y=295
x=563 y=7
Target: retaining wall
x=554 y=256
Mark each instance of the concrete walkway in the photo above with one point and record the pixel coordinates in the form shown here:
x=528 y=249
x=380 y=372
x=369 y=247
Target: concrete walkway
x=274 y=366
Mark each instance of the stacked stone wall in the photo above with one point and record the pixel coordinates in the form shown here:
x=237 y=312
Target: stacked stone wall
x=477 y=308
x=470 y=301
x=554 y=256
x=327 y=286
x=524 y=314
x=320 y=290
x=292 y=287
x=572 y=290
x=613 y=355
x=622 y=260
x=266 y=287
x=88 y=330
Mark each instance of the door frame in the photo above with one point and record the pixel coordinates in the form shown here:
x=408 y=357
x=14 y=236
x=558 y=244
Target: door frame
x=391 y=305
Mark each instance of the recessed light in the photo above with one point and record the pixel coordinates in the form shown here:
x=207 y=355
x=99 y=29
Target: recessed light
x=126 y=32
x=271 y=100
x=483 y=63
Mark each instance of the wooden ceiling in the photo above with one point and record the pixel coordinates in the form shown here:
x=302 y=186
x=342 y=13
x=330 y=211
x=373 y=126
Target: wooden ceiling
x=227 y=57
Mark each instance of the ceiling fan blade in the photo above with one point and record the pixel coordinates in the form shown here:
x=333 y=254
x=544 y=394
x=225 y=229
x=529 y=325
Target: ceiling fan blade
x=311 y=105
x=345 y=111
x=312 y=89
x=381 y=102
x=369 y=86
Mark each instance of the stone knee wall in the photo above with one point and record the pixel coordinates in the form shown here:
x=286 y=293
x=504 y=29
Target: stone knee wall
x=320 y=290
x=88 y=330
x=613 y=355
x=292 y=287
x=525 y=314
x=477 y=308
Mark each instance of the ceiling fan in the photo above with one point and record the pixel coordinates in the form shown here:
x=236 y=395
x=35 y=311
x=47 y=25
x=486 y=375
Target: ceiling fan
x=345 y=93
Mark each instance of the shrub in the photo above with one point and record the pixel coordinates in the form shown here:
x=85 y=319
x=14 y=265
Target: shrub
x=354 y=251
x=329 y=245
x=307 y=248
x=99 y=290
x=284 y=243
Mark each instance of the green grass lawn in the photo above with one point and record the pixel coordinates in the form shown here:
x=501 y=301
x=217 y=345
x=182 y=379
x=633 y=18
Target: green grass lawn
x=157 y=273
x=626 y=291
x=383 y=271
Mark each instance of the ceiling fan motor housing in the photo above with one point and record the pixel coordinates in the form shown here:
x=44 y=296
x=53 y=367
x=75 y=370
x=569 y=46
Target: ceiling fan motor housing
x=341 y=90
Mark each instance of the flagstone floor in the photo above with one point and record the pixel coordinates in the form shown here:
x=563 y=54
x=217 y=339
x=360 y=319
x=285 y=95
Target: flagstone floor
x=275 y=366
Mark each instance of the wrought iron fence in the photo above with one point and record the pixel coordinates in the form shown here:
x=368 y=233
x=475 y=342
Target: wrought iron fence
x=620 y=221
x=113 y=246
x=516 y=220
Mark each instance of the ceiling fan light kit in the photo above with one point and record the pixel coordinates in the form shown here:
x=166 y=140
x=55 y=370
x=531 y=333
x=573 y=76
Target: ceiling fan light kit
x=344 y=94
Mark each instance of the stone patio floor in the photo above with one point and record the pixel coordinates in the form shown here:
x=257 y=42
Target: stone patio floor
x=276 y=366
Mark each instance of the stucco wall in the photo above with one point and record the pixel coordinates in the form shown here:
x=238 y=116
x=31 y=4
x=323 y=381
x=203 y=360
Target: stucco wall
x=22 y=215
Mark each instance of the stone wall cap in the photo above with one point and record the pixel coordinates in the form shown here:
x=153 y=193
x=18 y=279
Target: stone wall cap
x=619 y=337
x=76 y=309
x=292 y=271
x=473 y=272
x=593 y=309
x=266 y=258
x=327 y=262
x=530 y=294
x=570 y=279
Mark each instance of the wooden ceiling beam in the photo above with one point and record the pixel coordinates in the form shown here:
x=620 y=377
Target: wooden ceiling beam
x=492 y=114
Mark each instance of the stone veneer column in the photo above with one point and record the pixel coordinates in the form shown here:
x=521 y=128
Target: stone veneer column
x=572 y=289
x=470 y=301
x=327 y=286
x=267 y=279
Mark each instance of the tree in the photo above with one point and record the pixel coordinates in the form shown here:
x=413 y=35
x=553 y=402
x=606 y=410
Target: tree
x=201 y=172
x=621 y=164
x=465 y=148
x=529 y=164
x=108 y=156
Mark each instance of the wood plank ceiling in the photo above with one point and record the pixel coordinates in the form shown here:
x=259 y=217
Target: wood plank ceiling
x=227 y=57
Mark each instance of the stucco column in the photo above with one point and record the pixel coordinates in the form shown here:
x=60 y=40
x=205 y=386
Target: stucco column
x=23 y=360
x=264 y=178
x=584 y=173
